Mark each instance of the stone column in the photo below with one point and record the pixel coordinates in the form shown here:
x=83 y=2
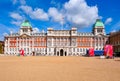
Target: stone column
x=95 y=42
x=8 y=46
x=56 y=51
x=52 y=41
x=91 y=42
x=33 y=44
x=29 y=46
x=17 y=45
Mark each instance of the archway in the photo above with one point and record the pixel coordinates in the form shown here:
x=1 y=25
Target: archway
x=61 y=52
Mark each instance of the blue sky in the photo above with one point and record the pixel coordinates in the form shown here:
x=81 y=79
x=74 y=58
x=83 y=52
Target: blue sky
x=57 y=13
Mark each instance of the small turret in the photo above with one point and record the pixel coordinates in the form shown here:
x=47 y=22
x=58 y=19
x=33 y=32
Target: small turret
x=98 y=28
x=25 y=28
x=26 y=24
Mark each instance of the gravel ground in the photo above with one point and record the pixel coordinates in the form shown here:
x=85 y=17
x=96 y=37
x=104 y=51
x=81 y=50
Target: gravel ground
x=48 y=68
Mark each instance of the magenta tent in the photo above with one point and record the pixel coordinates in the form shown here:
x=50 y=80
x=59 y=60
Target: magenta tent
x=108 y=51
x=91 y=52
x=22 y=52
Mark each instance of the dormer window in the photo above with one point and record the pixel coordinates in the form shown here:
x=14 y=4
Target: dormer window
x=73 y=31
x=99 y=30
x=25 y=30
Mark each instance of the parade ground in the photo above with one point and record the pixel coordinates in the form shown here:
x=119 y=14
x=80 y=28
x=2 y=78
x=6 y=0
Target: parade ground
x=55 y=68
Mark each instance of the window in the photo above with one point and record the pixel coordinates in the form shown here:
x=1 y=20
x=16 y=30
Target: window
x=83 y=49
x=78 y=50
x=96 y=44
x=81 y=44
x=74 y=32
x=73 y=49
x=24 y=30
x=49 y=49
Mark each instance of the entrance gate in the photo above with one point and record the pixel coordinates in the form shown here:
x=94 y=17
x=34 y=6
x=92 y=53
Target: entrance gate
x=61 y=52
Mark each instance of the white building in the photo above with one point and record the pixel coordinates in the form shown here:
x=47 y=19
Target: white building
x=55 y=42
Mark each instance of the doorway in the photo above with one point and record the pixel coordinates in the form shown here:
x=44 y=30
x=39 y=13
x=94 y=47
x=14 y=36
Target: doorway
x=61 y=52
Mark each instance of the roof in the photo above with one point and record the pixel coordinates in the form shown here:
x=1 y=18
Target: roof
x=26 y=23
x=98 y=23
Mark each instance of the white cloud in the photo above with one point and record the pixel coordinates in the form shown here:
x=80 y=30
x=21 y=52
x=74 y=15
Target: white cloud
x=116 y=26
x=37 y=13
x=14 y=1
x=100 y=17
x=1 y=38
x=113 y=31
x=79 y=13
x=13 y=30
x=76 y=12
x=108 y=20
x=5 y=34
x=2 y=35
x=55 y=14
x=55 y=3
x=17 y=23
x=36 y=30
x=3 y=29
x=26 y=9
x=22 y=2
x=16 y=16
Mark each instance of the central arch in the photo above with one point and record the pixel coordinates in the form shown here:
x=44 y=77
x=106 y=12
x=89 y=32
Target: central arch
x=61 y=52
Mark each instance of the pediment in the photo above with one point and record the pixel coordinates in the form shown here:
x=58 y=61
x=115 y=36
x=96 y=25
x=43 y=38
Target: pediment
x=24 y=36
x=100 y=35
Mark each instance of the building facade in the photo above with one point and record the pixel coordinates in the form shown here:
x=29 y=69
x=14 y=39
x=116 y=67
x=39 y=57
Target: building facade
x=114 y=40
x=55 y=42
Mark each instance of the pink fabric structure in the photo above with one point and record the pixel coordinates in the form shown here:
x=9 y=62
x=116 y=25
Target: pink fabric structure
x=22 y=52
x=91 y=52
x=108 y=50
